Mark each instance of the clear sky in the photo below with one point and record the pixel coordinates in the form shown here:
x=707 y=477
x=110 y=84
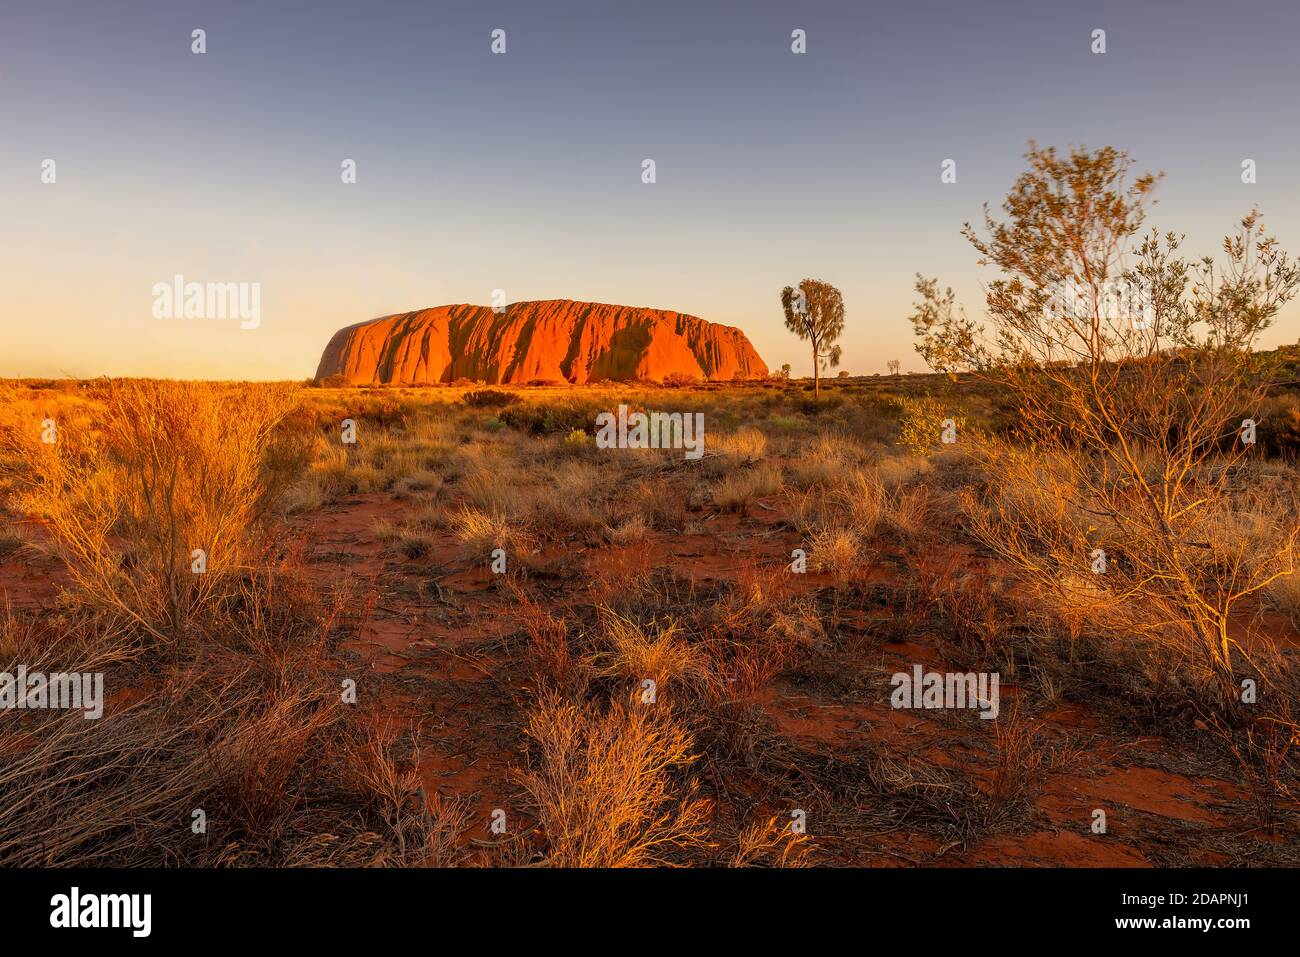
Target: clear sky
x=522 y=171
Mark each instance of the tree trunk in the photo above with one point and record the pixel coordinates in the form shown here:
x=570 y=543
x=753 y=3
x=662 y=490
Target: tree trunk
x=817 y=384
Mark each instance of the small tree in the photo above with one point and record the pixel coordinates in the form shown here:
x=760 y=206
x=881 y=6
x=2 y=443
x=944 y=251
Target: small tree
x=893 y=365
x=1137 y=389
x=814 y=311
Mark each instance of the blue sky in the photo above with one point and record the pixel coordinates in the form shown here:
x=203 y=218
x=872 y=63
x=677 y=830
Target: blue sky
x=523 y=171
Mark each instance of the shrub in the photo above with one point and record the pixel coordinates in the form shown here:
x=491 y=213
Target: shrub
x=546 y=418
x=336 y=381
x=922 y=422
x=489 y=398
x=604 y=785
x=166 y=469
x=680 y=380
x=813 y=405
x=1121 y=432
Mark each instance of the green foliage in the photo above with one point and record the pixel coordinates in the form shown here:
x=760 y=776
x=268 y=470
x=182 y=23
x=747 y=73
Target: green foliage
x=549 y=418
x=814 y=311
x=490 y=398
x=813 y=405
x=921 y=422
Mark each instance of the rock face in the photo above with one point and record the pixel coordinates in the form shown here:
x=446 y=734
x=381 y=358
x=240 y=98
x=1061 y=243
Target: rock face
x=554 y=340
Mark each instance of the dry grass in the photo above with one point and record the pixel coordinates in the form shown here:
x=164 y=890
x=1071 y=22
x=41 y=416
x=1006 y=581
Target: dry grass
x=242 y=721
x=1284 y=594
x=607 y=786
x=243 y=717
x=835 y=550
x=742 y=447
x=737 y=490
x=251 y=732
x=481 y=532
x=628 y=532
x=660 y=653
x=166 y=472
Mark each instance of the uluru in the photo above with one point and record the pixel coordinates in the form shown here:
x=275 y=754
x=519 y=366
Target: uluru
x=553 y=340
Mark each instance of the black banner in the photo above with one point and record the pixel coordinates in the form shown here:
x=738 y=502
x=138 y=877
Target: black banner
x=533 y=905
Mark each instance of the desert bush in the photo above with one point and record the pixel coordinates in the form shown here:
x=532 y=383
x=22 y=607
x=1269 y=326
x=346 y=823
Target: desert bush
x=1279 y=425
x=660 y=510
x=606 y=785
x=336 y=381
x=814 y=406
x=1284 y=593
x=415 y=542
x=922 y=421
x=422 y=481
x=545 y=418
x=823 y=460
x=908 y=511
x=417 y=832
x=167 y=469
x=835 y=550
x=895 y=471
x=742 y=447
x=680 y=380
x=574 y=497
x=553 y=662
x=1263 y=743
x=1024 y=759
x=628 y=532
x=770 y=843
x=853 y=502
x=378 y=410
x=489 y=398
x=1127 y=439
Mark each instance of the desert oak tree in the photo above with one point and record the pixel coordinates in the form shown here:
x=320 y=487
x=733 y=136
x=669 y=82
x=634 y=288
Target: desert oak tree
x=814 y=311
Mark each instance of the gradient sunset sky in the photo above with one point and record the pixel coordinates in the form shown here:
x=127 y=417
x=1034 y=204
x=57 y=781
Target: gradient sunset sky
x=523 y=171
